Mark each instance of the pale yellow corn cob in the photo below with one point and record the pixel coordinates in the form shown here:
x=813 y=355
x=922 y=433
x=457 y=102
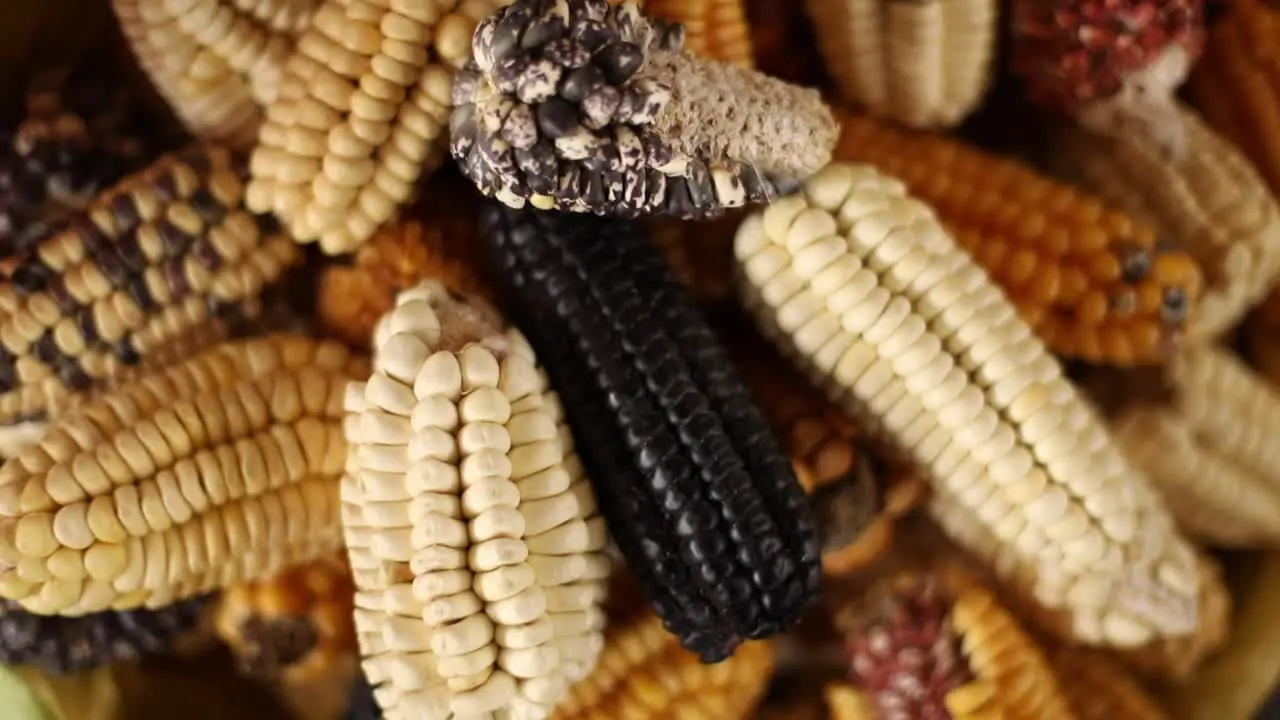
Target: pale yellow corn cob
x=1099 y=688
x=922 y=63
x=216 y=471
x=1211 y=204
x=216 y=62
x=474 y=538
x=714 y=29
x=1212 y=452
x=15 y=437
x=868 y=293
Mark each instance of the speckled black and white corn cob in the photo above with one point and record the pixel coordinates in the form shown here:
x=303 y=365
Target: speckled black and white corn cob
x=69 y=644
x=576 y=105
x=698 y=495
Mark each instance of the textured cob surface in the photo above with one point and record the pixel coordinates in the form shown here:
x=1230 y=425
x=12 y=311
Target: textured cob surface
x=473 y=534
x=362 y=113
x=218 y=470
x=1211 y=204
x=861 y=285
x=1099 y=688
x=216 y=62
x=139 y=278
x=699 y=496
x=923 y=64
x=713 y=29
x=1093 y=282
x=580 y=106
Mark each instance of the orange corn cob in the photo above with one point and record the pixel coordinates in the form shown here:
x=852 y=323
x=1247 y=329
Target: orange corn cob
x=714 y=29
x=1090 y=280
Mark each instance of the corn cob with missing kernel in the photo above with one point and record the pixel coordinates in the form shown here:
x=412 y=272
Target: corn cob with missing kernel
x=218 y=470
x=362 y=113
x=713 y=29
x=920 y=63
x=138 y=279
x=1212 y=204
x=1099 y=688
x=860 y=284
x=473 y=535
x=1094 y=283
x=216 y=62
x=699 y=496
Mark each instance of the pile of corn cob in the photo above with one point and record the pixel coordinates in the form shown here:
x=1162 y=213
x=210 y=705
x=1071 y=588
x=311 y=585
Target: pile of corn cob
x=595 y=359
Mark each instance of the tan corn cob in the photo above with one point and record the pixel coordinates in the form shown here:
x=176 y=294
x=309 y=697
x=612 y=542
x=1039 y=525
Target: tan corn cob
x=1211 y=451
x=862 y=286
x=922 y=63
x=473 y=536
x=216 y=62
x=1211 y=204
x=713 y=29
x=363 y=112
x=135 y=281
x=1098 y=688
x=1091 y=281
x=216 y=471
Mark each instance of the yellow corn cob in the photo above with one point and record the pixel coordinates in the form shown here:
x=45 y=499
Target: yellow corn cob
x=925 y=63
x=714 y=29
x=1211 y=204
x=1211 y=451
x=1235 y=86
x=363 y=112
x=220 y=470
x=473 y=535
x=862 y=286
x=136 y=281
x=1091 y=281
x=15 y=437
x=1098 y=688
x=216 y=62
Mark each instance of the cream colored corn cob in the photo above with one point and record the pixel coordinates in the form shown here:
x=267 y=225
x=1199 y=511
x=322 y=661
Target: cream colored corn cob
x=923 y=63
x=1211 y=204
x=474 y=538
x=1212 y=453
x=859 y=282
x=220 y=470
x=363 y=112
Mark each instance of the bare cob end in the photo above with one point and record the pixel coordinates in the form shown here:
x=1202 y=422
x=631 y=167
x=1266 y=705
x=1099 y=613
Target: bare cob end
x=579 y=106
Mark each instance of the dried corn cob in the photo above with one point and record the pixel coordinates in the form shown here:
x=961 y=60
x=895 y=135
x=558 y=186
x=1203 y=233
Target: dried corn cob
x=700 y=254
x=291 y=627
x=1212 y=204
x=1210 y=452
x=136 y=279
x=923 y=64
x=1098 y=688
x=713 y=29
x=700 y=498
x=363 y=108
x=1092 y=282
x=216 y=62
x=474 y=536
x=219 y=470
x=579 y=106
x=939 y=645
x=16 y=436
x=1114 y=65
x=859 y=282
x=63 y=645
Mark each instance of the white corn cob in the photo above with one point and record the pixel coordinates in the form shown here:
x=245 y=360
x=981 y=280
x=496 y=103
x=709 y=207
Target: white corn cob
x=474 y=538
x=860 y=283
x=1211 y=204
x=923 y=63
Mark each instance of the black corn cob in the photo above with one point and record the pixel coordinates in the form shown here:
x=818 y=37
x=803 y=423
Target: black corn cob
x=698 y=495
x=68 y=644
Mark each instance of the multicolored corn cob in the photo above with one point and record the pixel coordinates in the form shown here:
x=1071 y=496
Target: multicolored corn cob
x=361 y=115
x=63 y=645
x=1093 y=282
x=920 y=63
x=219 y=470
x=216 y=62
x=860 y=284
x=713 y=29
x=472 y=532
x=581 y=106
x=1211 y=204
x=1099 y=688
x=1113 y=65
x=138 y=279
x=699 y=496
